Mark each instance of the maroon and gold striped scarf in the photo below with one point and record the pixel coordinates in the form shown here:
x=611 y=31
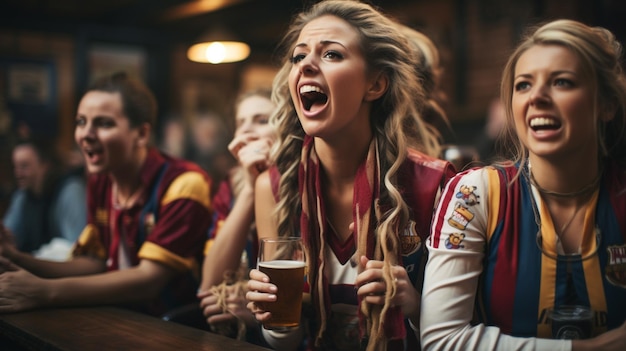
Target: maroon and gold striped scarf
x=365 y=213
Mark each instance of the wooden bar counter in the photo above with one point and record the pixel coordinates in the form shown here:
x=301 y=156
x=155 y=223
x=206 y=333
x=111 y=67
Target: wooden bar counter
x=105 y=328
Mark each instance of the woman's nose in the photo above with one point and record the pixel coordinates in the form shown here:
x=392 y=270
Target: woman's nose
x=245 y=128
x=539 y=95
x=308 y=64
x=86 y=131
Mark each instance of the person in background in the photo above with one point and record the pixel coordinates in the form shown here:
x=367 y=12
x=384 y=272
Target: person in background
x=355 y=175
x=48 y=204
x=428 y=70
x=173 y=139
x=222 y=292
x=148 y=215
x=208 y=146
x=486 y=141
x=514 y=241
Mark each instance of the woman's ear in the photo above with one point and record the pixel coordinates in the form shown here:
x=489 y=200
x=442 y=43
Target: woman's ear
x=377 y=88
x=144 y=132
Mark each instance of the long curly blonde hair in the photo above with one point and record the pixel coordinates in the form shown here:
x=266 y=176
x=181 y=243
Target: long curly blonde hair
x=395 y=121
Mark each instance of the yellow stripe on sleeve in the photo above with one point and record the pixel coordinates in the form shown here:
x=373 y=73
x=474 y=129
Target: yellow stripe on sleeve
x=89 y=243
x=154 y=252
x=191 y=186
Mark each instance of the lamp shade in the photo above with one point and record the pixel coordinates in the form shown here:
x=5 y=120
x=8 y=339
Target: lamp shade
x=218 y=52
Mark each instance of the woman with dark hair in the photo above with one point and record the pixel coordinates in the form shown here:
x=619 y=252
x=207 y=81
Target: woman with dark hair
x=147 y=216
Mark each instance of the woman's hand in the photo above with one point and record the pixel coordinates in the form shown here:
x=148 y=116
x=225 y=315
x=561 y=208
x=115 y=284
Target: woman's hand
x=612 y=340
x=260 y=290
x=20 y=290
x=7 y=243
x=372 y=287
x=252 y=153
x=231 y=309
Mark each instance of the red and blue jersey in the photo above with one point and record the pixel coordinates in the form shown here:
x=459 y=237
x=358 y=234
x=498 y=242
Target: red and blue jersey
x=493 y=242
x=171 y=231
x=520 y=284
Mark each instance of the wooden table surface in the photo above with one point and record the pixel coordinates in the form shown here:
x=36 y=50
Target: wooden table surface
x=105 y=328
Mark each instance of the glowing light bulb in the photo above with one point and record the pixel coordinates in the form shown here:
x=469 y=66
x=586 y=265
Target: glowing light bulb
x=215 y=52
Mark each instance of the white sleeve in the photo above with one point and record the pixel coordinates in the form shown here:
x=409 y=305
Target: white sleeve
x=456 y=250
x=284 y=341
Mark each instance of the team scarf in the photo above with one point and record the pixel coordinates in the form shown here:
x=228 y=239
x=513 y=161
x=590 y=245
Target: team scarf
x=381 y=323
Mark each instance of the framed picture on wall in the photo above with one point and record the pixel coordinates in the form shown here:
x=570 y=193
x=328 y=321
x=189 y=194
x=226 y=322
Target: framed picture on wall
x=29 y=83
x=29 y=96
x=106 y=58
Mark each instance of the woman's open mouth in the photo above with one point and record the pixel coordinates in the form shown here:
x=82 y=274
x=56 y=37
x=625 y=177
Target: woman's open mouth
x=311 y=95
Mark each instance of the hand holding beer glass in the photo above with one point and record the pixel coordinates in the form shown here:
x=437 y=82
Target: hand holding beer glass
x=282 y=260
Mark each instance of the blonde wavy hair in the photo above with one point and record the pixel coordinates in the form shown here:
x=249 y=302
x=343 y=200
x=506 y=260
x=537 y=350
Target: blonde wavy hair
x=429 y=71
x=395 y=120
x=600 y=55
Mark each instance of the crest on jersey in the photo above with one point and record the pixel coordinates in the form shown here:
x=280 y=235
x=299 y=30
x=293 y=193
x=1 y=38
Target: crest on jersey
x=616 y=265
x=410 y=240
x=102 y=216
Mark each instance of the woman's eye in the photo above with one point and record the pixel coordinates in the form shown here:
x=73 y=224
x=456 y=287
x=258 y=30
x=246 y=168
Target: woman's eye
x=105 y=124
x=522 y=86
x=333 y=55
x=297 y=58
x=562 y=82
x=79 y=122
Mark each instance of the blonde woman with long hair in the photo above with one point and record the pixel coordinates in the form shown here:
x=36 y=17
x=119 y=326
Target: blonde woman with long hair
x=513 y=242
x=355 y=175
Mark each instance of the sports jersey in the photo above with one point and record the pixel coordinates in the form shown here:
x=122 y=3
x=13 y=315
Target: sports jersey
x=172 y=233
x=420 y=179
x=223 y=202
x=486 y=247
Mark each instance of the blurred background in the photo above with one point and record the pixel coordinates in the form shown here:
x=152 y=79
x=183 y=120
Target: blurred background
x=51 y=49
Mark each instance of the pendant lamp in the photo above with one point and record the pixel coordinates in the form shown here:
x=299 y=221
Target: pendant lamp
x=218 y=46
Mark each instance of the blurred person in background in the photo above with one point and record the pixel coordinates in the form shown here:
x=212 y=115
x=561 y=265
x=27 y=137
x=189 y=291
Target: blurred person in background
x=49 y=202
x=209 y=145
x=225 y=270
x=174 y=137
x=429 y=71
x=148 y=215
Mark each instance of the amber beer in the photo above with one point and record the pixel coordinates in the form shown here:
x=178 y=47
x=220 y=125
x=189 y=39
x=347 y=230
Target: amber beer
x=282 y=260
x=288 y=276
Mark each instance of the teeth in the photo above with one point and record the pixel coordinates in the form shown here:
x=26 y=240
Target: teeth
x=542 y=121
x=310 y=88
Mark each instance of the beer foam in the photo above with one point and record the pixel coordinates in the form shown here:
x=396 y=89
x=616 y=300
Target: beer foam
x=282 y=264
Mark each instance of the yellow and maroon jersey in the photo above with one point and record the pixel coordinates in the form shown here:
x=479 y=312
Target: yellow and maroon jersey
x=167 y=224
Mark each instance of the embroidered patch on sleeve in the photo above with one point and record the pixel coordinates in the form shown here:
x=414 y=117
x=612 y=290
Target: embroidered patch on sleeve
x=454 y=241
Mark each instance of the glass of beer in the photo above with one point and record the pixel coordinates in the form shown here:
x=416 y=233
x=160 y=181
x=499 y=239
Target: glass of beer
x=282 y=259
x=571 y=322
